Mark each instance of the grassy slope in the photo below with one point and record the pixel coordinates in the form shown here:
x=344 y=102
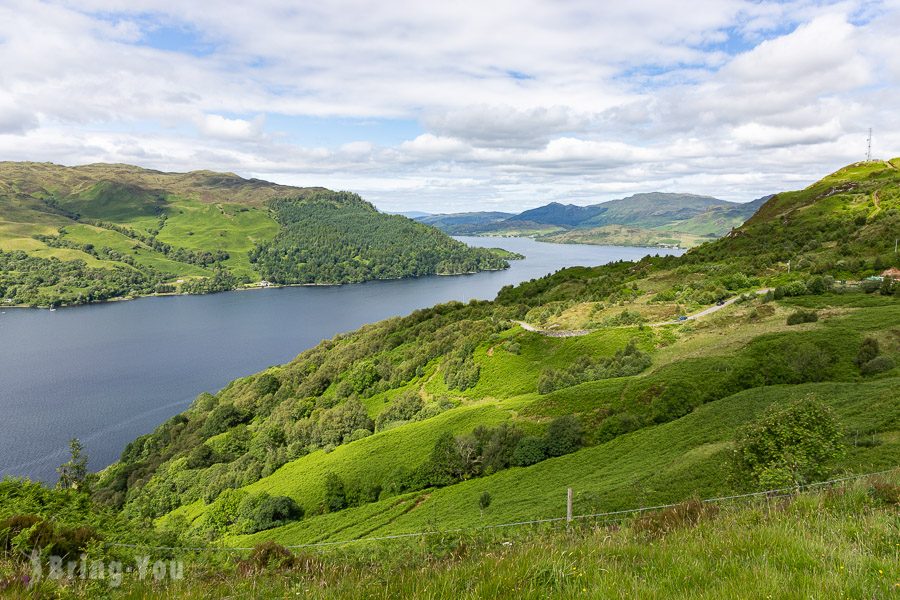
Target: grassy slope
x=838 y=543
x=506 y=390
x=831 y=226
x=230 y=227
x=206 y=212
x=661 y=464
x=696 y=360
x=818 y=546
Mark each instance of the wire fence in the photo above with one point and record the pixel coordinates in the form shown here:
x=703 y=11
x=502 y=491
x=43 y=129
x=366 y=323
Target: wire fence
x=606 y=516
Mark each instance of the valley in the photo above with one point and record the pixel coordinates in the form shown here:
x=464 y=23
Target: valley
x=650 y=219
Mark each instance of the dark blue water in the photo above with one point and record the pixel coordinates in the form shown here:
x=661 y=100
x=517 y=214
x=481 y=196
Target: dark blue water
x=109 y=373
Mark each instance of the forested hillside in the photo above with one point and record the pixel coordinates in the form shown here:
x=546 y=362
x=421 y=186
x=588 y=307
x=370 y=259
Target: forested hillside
x=72 y=235
x=462 y=392
x=339 y=238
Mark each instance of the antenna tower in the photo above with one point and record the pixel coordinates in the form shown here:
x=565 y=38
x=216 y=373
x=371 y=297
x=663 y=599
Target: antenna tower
x=869 y=147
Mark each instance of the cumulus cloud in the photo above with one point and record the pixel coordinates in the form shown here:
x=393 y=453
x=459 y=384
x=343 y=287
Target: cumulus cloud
x=767 y=136
x=217 y=126
x=506 y=126
x=514 y=103
x=15 y=119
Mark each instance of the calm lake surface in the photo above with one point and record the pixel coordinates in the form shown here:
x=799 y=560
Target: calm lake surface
x=108 y=373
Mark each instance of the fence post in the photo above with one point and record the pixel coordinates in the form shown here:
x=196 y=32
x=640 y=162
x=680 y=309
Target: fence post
x=569 y=506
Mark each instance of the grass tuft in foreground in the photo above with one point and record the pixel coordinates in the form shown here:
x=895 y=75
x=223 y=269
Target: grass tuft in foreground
x=835 y=543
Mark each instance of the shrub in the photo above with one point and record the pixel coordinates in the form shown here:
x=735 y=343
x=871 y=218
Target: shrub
x=819 y=285
x=357 y=434
x=563 y=436
x=530 y=450
x=879 y=364
x=484 y=500
x=870 y=286
x=499 y=446
x=445 y=466
x=626 y=317
x=802 y=316
x=627 y=361
x=512 y=347
x=358 y=493
x=225 y=511
x=200 y=457
x=461 y=372
x=265 y=556
x=868 y=349
x=794 y=288
x=403 y=408
x=789 y=446
x=885 y=492
x=13 y=526
x=267 y=512
x=338 y=423
x=335 y=495
x=616 y=425
x=221 y=419
x=267 y=384
x=686 y=514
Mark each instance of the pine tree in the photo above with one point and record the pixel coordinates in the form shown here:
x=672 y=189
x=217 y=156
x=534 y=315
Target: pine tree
x=73 y=474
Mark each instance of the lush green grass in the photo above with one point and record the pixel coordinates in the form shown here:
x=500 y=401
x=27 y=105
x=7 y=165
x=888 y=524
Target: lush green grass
x=230 y=227
x=504 y=374
x=142 y=254
x=840 y=543
x=115 y=201
x=667 y=463
x=825 y=545
x=371 y=459
x=708 y=365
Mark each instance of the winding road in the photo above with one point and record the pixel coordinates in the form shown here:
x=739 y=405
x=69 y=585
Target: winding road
x=579 y=332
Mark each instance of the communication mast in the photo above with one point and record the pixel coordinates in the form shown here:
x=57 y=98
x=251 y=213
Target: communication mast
x=869 y=147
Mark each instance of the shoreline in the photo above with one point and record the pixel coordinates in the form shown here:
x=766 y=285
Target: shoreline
x=246 y=288
x=538 y=238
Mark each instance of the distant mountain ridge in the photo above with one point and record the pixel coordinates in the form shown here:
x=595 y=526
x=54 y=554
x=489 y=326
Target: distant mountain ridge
x=673 y=215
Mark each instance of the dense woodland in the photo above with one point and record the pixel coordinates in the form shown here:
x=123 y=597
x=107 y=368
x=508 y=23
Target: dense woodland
x=38 y=281
x=337 y=237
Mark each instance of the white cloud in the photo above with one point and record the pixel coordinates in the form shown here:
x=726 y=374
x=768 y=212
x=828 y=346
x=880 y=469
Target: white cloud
x=217 y=126
x=518 y=101
x=767 y=136
x=431 y=146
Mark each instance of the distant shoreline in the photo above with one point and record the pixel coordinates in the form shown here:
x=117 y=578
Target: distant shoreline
x=245 y=288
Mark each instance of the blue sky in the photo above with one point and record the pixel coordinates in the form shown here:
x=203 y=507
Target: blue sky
x=457 y=106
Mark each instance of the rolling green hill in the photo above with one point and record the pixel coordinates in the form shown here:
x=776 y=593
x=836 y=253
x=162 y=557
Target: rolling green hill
x=371 y=407
x=83 y=234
